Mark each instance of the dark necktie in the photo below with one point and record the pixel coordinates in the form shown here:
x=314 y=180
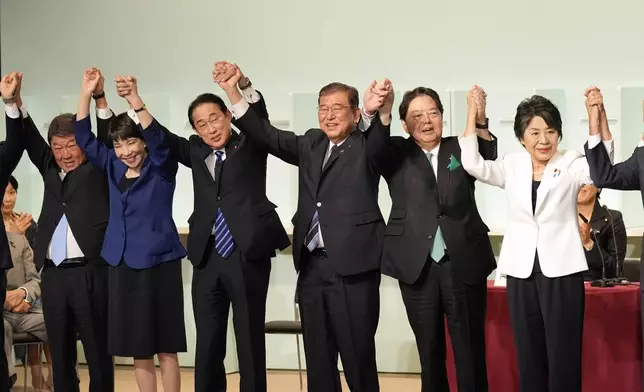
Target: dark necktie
x=224 y=242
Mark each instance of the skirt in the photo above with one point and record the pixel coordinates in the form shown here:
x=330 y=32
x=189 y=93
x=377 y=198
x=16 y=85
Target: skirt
x=146 y=310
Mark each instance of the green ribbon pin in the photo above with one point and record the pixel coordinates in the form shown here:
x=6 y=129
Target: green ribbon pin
x=453 y=163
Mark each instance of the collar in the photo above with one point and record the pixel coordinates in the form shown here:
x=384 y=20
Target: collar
x=434 y=151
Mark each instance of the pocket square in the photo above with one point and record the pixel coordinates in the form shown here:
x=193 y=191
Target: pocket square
x=453 y=163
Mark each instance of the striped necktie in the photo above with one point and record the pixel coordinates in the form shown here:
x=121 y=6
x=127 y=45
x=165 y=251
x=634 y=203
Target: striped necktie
x=313 y=236
x=224 y=242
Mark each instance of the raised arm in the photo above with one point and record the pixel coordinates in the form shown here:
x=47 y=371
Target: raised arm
x=37 y=148
x=379 y=132
x=282 y=144
x=158 y=150
x=488 y=172
x=95 y=151
x=622 y=176
x=104 y=114
x=11 y=151
x=487 y=141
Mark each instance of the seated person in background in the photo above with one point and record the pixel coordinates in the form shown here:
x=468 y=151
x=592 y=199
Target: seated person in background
x=610 y=234
x=21 y=314
x=17 y=222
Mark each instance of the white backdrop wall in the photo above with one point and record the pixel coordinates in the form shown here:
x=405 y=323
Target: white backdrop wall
x=291 y=48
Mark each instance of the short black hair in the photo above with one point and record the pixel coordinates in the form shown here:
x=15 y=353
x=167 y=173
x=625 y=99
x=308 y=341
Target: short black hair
x=536 y=106
x=417 y=92
x=205 y=98
x=13 y=182
x=352 y=93
x=61 y=126
x=122 y=127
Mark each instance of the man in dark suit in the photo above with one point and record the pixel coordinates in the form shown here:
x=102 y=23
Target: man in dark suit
x=234 y=232
x=10 y=154
x=71 y=229
x=436 y=244
x=624 y=176
x=338 y=227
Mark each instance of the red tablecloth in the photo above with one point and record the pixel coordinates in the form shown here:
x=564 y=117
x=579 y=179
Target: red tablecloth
x=612 y=348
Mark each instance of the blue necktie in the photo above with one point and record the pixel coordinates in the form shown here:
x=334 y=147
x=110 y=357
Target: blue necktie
x=438 y=246
x=224 y=242
x=313 y=236
x=59 y=241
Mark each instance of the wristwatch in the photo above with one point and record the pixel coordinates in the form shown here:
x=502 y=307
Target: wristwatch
x=26 y=299
x=9 y=100
x=483 y=126
x=142 y=108
x=98 y=96
x=245 y=83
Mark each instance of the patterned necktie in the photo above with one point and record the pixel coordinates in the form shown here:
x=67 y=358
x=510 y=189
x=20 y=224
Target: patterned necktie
x=313 y=236
x=59 y=241
x=438 y=246
x=224 y=242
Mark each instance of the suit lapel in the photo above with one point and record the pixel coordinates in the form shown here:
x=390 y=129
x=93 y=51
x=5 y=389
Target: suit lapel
x=444 y=173
x=419 y=159
x=317 y=158
x=548 y=179
x=523 y=175
x=204 y=152
x=234 y=144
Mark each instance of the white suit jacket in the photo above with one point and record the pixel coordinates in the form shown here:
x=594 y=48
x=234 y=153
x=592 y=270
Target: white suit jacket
x=553 y=229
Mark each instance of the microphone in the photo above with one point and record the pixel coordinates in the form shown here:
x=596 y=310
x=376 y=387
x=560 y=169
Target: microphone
x=619 y=279
x=603 y=282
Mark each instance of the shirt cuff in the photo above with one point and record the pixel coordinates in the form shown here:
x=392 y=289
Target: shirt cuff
x=132 y=114
x=250 y=95
x=12 y=111
x=641 y=143
x=104 y=113
x=366 y=120
x=26 y=292
x=593 y=141
x=239 y=109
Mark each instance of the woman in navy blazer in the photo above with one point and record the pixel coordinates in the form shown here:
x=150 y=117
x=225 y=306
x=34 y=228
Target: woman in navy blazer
x=141 y=243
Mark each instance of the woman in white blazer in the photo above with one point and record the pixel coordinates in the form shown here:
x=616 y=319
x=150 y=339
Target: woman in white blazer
x=542 y=253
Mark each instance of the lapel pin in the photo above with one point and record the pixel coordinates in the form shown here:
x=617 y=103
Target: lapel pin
x=556 y=173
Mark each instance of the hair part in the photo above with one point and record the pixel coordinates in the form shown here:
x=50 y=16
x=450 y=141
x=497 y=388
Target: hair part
x=537 y=106
x=13 y=182
x=61 y=126
x=122 y=127
x=335 y=87
x=415 y=93
x=205 y=98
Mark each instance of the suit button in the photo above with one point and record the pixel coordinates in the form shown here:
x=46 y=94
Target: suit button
x=438 y=216
x=218 y=198
x=319 y=204
x=430 y=237
x=64 y=204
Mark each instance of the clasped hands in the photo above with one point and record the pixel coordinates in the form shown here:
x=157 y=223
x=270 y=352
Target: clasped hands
x=126 y=86
x=15 y=301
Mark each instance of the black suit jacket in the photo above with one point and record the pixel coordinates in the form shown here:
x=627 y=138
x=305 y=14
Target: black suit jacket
x=610 y=242
x=419 y=205
x=239 y=189
x=10 y=153
x=82 y=195
x=345 y=194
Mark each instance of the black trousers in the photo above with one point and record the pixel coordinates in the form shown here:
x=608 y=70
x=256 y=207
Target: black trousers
x=438 y=293
x=547 y=316
x=339 y=315
x=215 y=285
x=4 y=370
x=74 y=301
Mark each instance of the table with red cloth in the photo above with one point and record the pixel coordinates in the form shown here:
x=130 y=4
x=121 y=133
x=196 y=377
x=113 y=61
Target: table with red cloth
x=612 y=345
